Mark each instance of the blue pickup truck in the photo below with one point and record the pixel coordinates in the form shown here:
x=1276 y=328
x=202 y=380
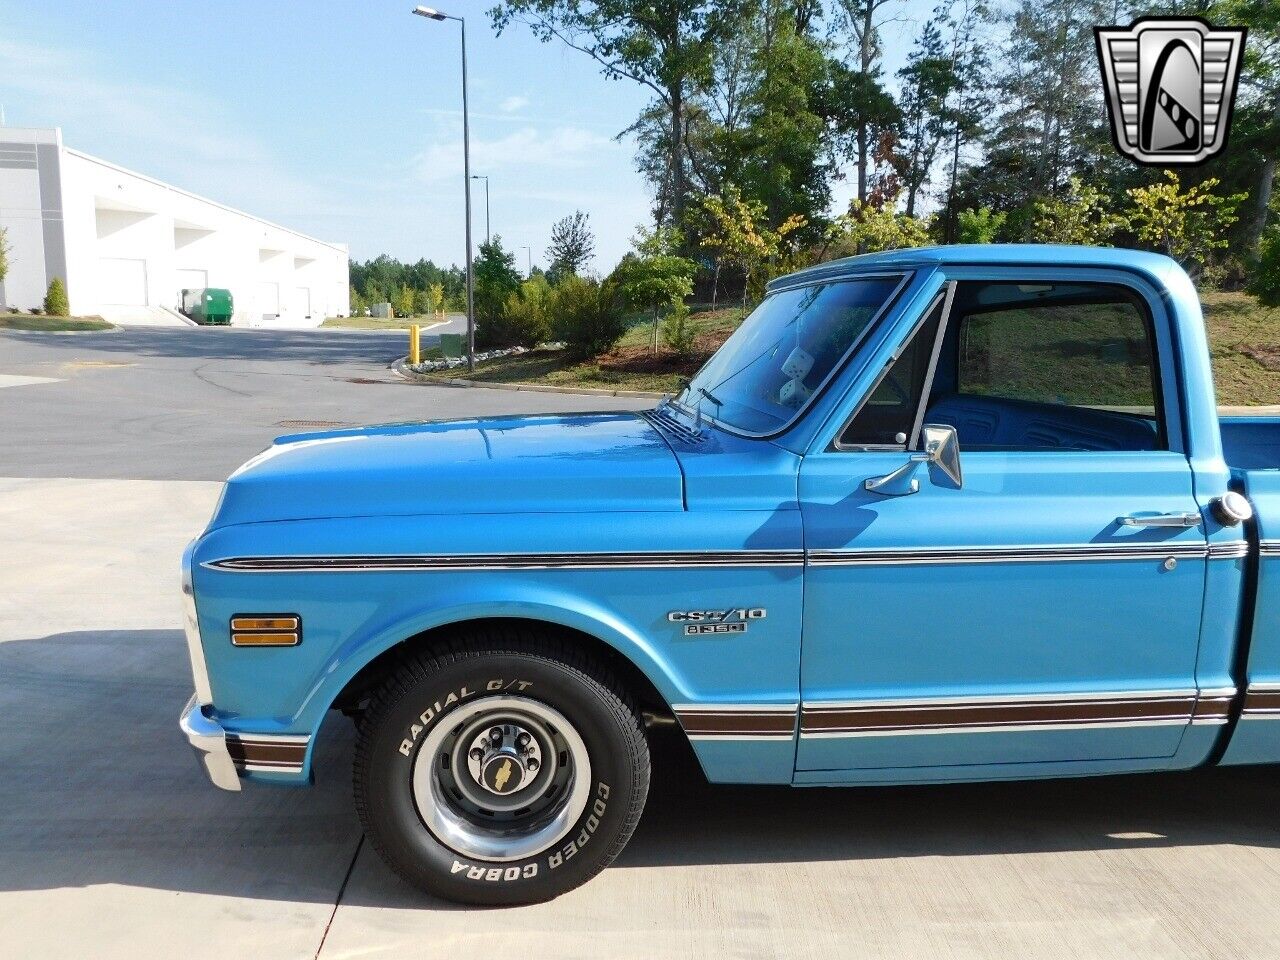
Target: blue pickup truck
x=950 y=514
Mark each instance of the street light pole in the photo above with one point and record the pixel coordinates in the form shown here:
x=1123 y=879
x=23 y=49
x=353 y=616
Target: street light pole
x=431 y=14
x=485 y=178
x=529 y=252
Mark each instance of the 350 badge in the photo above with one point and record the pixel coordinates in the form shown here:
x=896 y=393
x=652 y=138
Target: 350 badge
x=703 y=622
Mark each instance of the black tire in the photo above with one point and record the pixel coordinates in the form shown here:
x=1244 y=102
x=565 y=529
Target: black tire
x=431 y=687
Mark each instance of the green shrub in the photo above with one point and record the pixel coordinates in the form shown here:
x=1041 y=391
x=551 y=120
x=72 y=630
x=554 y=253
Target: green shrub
x=587 y=315
x=1264 y=278
x=524 y=321
x=55 y=301
x=680 y=332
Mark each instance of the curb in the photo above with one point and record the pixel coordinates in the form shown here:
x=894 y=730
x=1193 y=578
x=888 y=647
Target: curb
x=114 y=328
x=401 y=368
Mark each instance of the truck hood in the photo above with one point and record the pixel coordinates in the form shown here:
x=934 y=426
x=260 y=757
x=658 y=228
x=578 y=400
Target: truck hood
x=541 y=464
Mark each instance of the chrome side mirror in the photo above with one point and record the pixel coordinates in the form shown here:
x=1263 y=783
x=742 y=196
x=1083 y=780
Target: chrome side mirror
x=941 y=453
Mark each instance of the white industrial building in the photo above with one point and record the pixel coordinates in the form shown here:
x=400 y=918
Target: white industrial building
x=126 y=245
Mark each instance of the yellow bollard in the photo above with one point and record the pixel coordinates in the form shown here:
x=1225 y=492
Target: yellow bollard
x=415 y=354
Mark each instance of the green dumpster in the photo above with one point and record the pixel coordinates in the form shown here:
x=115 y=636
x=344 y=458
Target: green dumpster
x=208 y=305
x=451 y=345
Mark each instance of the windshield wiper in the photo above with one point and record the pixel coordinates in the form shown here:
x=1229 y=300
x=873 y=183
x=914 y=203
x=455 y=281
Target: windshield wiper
x=711 y=396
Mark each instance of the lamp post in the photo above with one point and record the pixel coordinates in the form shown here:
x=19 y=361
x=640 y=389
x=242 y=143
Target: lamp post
x=529 y=253
x=485 y=178
x=431 y=14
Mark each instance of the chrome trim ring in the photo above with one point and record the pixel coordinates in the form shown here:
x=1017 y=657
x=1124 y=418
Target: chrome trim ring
x=552 y=799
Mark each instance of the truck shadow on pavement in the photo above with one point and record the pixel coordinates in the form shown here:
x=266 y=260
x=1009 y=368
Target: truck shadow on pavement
x=99 y=787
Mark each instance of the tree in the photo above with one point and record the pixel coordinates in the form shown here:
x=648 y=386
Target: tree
x=968 y=101
x=868 y=228
x=1264 y=279
x=423 y=306
x=1081 y=215
x=404 y=301
x=55 y=301
x=656 y=282
x=738 y=230
x=680 y=332
x=495 y=280
x=978 y=226
x=525 y=316
x=436 y=294
x=572 y=245
x=928 y=81
x=1185 y=224
x=666 y=47
x=4 y=253
x=1052 y=124
x=587 y=315
x=357 y=303
x=873 y=106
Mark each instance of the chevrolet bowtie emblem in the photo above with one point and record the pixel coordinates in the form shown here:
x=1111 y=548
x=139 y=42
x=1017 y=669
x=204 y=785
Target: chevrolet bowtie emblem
x=502 y=776
x=1171 y=83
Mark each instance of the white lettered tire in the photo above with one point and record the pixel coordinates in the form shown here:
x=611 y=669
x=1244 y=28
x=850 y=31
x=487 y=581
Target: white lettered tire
x=506 y=768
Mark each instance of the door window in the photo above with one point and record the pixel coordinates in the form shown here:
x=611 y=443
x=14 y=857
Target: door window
x=1026 y=366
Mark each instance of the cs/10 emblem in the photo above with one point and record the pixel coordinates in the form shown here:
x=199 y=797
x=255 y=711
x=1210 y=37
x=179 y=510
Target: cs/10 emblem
x=703 y=622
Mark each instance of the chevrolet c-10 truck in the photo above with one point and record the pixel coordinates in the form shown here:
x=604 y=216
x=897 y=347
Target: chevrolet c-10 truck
x=950 y=514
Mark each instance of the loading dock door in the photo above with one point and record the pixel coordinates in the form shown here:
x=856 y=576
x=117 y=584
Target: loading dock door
x=269 y=299
x=121 y=282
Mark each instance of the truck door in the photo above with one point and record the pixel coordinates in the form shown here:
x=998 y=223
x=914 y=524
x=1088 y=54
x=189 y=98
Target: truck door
x=1046 y=610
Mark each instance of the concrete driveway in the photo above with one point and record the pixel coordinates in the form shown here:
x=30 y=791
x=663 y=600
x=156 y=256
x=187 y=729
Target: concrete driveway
x=113 y=845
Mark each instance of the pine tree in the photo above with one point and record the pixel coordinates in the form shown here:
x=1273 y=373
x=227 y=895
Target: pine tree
x=55 y=301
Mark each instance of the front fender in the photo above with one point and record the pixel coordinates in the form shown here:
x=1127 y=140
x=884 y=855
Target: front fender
x=524 y=601
x=353 y=613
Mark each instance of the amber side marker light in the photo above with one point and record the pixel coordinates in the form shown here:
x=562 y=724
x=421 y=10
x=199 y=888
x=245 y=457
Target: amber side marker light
x=266 y=630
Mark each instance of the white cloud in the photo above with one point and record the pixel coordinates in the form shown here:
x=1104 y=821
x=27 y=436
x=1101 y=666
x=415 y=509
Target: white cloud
x=561 y=148
x=512 y=104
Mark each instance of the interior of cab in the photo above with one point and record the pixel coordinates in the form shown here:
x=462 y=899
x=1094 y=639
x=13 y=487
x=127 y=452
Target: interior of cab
x=1023 y=366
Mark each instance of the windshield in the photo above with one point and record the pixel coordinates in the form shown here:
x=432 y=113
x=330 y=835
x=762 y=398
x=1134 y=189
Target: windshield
x=783 y=353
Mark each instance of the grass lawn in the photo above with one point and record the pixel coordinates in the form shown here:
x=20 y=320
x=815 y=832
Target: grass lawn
x=1244 y=337
x=629 y=366
x=379 y=323
x=29 y=321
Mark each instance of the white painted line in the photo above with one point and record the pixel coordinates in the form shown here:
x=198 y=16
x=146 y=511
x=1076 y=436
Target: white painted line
x=14 y=380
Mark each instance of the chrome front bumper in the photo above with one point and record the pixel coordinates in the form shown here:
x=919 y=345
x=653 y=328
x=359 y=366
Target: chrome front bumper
x=209 y=741
x=207 y=738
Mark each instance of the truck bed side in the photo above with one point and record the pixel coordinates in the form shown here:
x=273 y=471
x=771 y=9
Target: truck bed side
x=1251 y=446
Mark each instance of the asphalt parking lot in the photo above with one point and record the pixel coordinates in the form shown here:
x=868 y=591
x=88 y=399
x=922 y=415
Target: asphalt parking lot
x=112 y=844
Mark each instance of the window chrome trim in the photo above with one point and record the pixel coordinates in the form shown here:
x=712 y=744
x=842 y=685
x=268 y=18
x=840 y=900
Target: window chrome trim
x=943 y=298
x=904 y=278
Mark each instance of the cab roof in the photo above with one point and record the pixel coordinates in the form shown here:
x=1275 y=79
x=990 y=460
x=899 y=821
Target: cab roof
x=986 y=254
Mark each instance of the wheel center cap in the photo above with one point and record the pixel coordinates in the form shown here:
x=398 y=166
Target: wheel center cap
x=503 y=773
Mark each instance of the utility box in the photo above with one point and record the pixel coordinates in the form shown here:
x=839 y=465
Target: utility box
x=451 y=345
x=208 y=305
x=381 y=310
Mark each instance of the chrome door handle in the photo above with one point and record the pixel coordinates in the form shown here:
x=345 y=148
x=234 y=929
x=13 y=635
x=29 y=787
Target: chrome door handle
x=1161 y=520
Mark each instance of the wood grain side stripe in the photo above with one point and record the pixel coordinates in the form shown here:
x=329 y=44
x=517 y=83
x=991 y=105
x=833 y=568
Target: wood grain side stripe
x=267 y=753
x=957 y=717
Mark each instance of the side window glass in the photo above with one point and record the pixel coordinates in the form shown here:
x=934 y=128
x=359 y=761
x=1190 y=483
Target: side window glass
x=1051 y=366
x=888 y=416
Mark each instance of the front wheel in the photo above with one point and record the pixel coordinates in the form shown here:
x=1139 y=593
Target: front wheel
x=508 y=769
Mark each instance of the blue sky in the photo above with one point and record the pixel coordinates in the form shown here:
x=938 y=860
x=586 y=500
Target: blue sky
x=342 y=120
